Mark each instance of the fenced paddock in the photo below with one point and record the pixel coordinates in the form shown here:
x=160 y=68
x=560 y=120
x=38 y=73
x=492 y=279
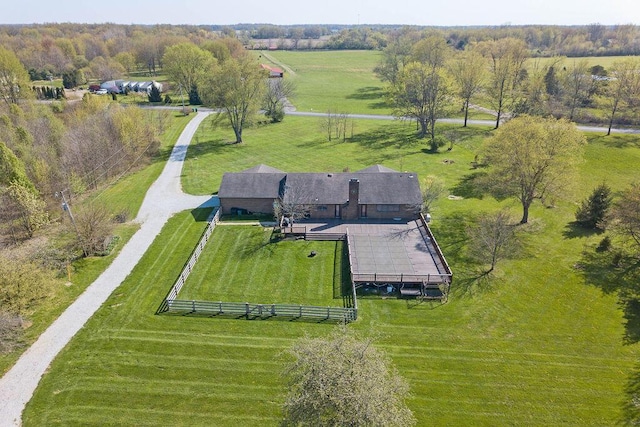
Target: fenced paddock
x=194 y=306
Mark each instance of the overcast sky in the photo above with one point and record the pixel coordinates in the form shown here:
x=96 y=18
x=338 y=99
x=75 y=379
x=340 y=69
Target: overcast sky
x=409 y=12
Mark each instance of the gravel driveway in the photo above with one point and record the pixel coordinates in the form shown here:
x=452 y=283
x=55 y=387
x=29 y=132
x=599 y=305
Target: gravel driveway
x=163 y=199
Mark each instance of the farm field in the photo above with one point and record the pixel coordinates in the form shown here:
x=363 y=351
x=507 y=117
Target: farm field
x=524 y=348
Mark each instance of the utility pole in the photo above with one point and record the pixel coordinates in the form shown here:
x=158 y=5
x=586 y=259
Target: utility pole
x=67 y=208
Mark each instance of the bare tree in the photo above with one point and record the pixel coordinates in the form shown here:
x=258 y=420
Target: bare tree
x=277 y=95
x=292 y=205
x=336 y=125
x=432 y=189
x=94 y=227
x=576 y=84
x=492 y=238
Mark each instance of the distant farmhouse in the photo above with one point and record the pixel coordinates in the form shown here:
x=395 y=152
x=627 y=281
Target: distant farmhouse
x=273 y=71
x=122 y=86
x=376 y=192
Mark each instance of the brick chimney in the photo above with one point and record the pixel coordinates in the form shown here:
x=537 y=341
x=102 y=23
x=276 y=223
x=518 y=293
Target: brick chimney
x=351 y=212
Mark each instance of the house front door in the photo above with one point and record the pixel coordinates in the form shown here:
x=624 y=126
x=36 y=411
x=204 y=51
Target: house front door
x=363 y=211
x=337 y=211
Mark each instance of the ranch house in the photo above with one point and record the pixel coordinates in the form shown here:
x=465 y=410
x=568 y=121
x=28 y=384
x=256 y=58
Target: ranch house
x=376 y=192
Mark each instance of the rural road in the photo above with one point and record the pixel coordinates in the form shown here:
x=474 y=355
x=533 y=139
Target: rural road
x=163 y=199
x=292 y=112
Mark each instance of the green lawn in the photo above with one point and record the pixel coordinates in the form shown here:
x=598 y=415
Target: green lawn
x=340 y=81
x=539 y=343
x=298 y=145
x=248 y=264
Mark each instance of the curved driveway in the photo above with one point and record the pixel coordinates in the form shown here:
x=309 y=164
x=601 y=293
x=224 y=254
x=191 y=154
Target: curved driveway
x=163 y=199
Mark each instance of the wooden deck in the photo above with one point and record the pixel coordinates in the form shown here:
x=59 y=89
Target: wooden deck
x=387 y=251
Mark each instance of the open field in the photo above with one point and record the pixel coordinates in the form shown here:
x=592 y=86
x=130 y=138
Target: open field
x=517 y=348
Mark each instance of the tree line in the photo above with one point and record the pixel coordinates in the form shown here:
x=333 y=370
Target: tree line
x=427 y=80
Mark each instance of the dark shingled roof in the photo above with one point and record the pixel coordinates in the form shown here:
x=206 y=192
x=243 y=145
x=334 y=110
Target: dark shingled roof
x=248 y=185
x=378 y=185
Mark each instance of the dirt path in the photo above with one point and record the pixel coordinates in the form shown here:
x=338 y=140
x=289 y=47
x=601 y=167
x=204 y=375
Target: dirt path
x=278 y=63
x=163 y=199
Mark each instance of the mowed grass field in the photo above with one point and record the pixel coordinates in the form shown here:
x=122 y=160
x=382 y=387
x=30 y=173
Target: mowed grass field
x=539 y=343
x=247 y=264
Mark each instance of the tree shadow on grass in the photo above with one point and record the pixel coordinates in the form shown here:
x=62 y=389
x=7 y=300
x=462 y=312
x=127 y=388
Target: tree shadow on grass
x=367 y=93
x=574 y=230
x=616 y=272
x=616 y=141
x=385 y=137
x=471 y=186
x=631 y=406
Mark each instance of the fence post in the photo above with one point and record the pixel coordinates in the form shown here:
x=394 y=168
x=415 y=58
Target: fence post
x=328 y=312
x=193 y=306
x=246 y=305
x=219 y=307
x=300 y=315
x=273 y=309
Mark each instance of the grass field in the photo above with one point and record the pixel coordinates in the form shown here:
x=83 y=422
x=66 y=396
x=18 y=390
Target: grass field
x=248 y=264
x=539 y=343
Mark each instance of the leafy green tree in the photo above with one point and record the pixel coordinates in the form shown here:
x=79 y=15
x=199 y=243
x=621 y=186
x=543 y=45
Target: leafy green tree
x=194 y=96
x=343 y=380
x=186 y=64
x=624 y=87
x=237 y=87
x=14 y=79
x=625 y=216
x=420 y=92
x=432 y=189
x=506 y=58
x=593 y=211
x=533 y=158
x=29 y=206
x=469 y=73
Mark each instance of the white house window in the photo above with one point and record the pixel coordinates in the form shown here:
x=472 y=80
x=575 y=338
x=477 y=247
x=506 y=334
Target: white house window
x=388 y=208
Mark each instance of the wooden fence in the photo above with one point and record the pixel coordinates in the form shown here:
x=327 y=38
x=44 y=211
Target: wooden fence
x=172 y=305
x=441 y=262
x=259 y=311
x=195 y=254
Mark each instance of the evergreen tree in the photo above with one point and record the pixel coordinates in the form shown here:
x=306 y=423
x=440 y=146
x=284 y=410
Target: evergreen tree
x=593 y=210
x=194 y=96
x=154 y=95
